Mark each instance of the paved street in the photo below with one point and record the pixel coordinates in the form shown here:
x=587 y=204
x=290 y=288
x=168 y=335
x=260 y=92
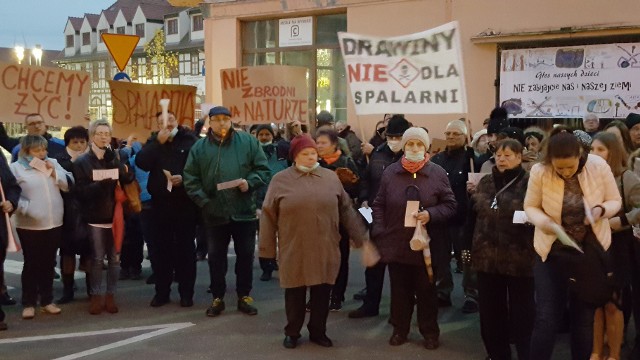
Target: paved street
x=172 y=332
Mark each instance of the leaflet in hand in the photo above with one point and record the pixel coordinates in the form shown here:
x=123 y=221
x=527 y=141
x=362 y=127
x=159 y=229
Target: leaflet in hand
x=367 y=214
x=564 y=238
x=105 y=174
x=41 y=166
x=476 y=177
x=229 y=184
x=167 y=173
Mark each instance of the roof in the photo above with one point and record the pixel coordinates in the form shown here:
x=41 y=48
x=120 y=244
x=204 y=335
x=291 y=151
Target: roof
x=110 y=15
x=76 y=22
x=152 y=12
x=128 y=13
x=7 y=55
x=134 y=3
x=92 y=19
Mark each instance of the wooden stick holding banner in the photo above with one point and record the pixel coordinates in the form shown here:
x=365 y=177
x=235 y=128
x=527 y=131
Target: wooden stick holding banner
x=12 y=244
x=364 y=139
x=470 y=138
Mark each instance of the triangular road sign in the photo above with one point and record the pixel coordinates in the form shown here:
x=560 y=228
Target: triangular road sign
x=120 y=47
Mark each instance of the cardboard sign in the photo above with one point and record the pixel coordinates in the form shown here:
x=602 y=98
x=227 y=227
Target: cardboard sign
x=419 y=73
x=135 y=106
x=266 y=94
x=60 y=96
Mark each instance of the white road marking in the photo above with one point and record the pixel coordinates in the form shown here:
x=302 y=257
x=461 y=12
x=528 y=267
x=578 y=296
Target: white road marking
x=159 y=330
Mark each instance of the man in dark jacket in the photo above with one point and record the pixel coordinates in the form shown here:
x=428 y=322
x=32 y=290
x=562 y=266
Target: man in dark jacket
x=223 y=171
x=456 y=160
x=383 y=156
x=174 y=215
x=12 y=195
x=35 y=126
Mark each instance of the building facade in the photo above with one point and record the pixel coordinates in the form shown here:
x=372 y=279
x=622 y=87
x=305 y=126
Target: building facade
x=248 y=32
x=183 y=28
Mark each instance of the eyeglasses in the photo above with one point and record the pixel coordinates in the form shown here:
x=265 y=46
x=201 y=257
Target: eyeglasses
x=220 y=119
x=452 y=134
x=35 y=123
x=103 y=134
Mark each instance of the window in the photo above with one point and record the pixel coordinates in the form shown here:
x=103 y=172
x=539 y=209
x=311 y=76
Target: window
x=120 y=30
x=86 y=38
x=69 y=41
x=195 y=64
x=327 y=84
x=172 y=26
x=140 y=30
x=100 y=32
x=197 y=23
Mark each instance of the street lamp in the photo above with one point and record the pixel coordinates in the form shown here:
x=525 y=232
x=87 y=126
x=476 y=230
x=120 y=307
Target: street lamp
x=37 y=53
x=19 y=53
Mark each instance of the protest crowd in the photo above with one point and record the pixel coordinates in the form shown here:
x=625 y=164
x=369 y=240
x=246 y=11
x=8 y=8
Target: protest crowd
x=540 y=223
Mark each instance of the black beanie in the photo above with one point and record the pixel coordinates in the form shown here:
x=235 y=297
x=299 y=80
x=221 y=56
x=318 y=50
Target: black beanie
x=632 y=119
x=264 y=126
x=497 y=120
x=397 y=125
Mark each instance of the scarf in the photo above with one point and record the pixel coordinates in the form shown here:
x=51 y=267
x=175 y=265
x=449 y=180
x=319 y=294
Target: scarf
x=330 y=159
x=96 y=150
x=414 y=167
x=74 y=154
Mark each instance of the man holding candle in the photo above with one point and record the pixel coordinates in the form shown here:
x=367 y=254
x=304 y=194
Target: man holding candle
x=173 y=213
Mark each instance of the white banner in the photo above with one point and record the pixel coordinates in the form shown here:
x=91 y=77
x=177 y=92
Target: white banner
x=571 y=81
x=412 y=74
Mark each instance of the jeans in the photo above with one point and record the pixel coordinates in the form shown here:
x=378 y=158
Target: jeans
x=39 y=248
x=507 y=310
x=294 y=304
x=551 y=298
x=102 y=244
x=244 y=244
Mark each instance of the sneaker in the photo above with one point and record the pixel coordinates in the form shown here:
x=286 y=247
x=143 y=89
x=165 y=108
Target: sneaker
x=6 y=299
x=216 y=308
x=158 y=301
x=335 y=305
x=50 y=309
x=266 y=276
x=244 y=305
x=28 y=313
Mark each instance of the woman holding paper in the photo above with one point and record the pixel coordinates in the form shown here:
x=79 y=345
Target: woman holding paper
x=412 y=180
x=300 y=215
x=567 y=190
x=39 y=221
x=503 y=254
x=607 y=146
x=330 y=157
x=97 y=173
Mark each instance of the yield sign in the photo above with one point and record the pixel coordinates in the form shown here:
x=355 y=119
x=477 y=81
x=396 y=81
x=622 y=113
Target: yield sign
x=120 y=47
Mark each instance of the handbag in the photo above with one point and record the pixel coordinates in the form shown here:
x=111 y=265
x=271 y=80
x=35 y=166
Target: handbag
x=132 y=205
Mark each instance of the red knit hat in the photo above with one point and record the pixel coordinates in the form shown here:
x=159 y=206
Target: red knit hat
x=300 y=143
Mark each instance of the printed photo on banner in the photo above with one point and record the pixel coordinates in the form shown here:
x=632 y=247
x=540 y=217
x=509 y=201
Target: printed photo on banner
x=571 y=81
x=61 y=96
x=419 y=73
x=266 y=94
x=135 y=106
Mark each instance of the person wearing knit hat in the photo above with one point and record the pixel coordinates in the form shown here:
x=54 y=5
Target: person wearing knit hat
x=413 y=178
x=479 y=142
x=301 y=209
x=633 y=123
x=222 y=174
x=382 y=156
x=498 y=120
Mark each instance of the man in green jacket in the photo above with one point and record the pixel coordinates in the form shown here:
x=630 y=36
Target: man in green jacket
x=222 y=172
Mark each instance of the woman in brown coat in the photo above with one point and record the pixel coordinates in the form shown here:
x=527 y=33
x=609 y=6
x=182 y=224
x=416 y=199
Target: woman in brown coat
x=303 y=207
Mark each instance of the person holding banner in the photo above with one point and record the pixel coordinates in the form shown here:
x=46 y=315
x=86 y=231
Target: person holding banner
x=384 y=155
x=11 y=191
x=39 y=221
x=174 y=214
x=301 y=213
x=503 y=255
x=97 y=173
x=35 y=125
x=413 y=180
x=222 y=173
x=570 y=197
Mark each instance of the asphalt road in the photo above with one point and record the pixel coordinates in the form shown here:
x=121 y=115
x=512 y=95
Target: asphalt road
x=171 y=332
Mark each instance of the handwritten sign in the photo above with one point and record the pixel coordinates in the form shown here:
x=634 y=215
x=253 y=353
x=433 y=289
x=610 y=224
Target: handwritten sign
x=419 y=73
x=60 y=96
x=266 y=94
x=135 y=106
x=571 y=81
x=105 y=174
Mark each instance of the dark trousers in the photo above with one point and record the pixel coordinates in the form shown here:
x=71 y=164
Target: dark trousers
x=551 y=298
x=132 y=252
x=244 y=244
x=374 y=278
x=294 y=304
x=39 y=248
x=201 y=241
x=3 y=255
x=410 y=285
x=507 y=310
x=174 y=243
x=441 y=254
x=340 y=286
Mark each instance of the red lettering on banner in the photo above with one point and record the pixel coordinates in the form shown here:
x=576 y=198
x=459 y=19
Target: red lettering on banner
x=236 y=78
x=367 y=72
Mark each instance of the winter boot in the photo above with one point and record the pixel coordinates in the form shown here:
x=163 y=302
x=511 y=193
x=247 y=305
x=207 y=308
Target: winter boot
x=97 y=304
x=110 y=304
x=67 y=290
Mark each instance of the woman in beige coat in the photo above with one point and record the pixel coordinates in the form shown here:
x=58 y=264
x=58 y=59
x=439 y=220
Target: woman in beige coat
x=303 y=207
